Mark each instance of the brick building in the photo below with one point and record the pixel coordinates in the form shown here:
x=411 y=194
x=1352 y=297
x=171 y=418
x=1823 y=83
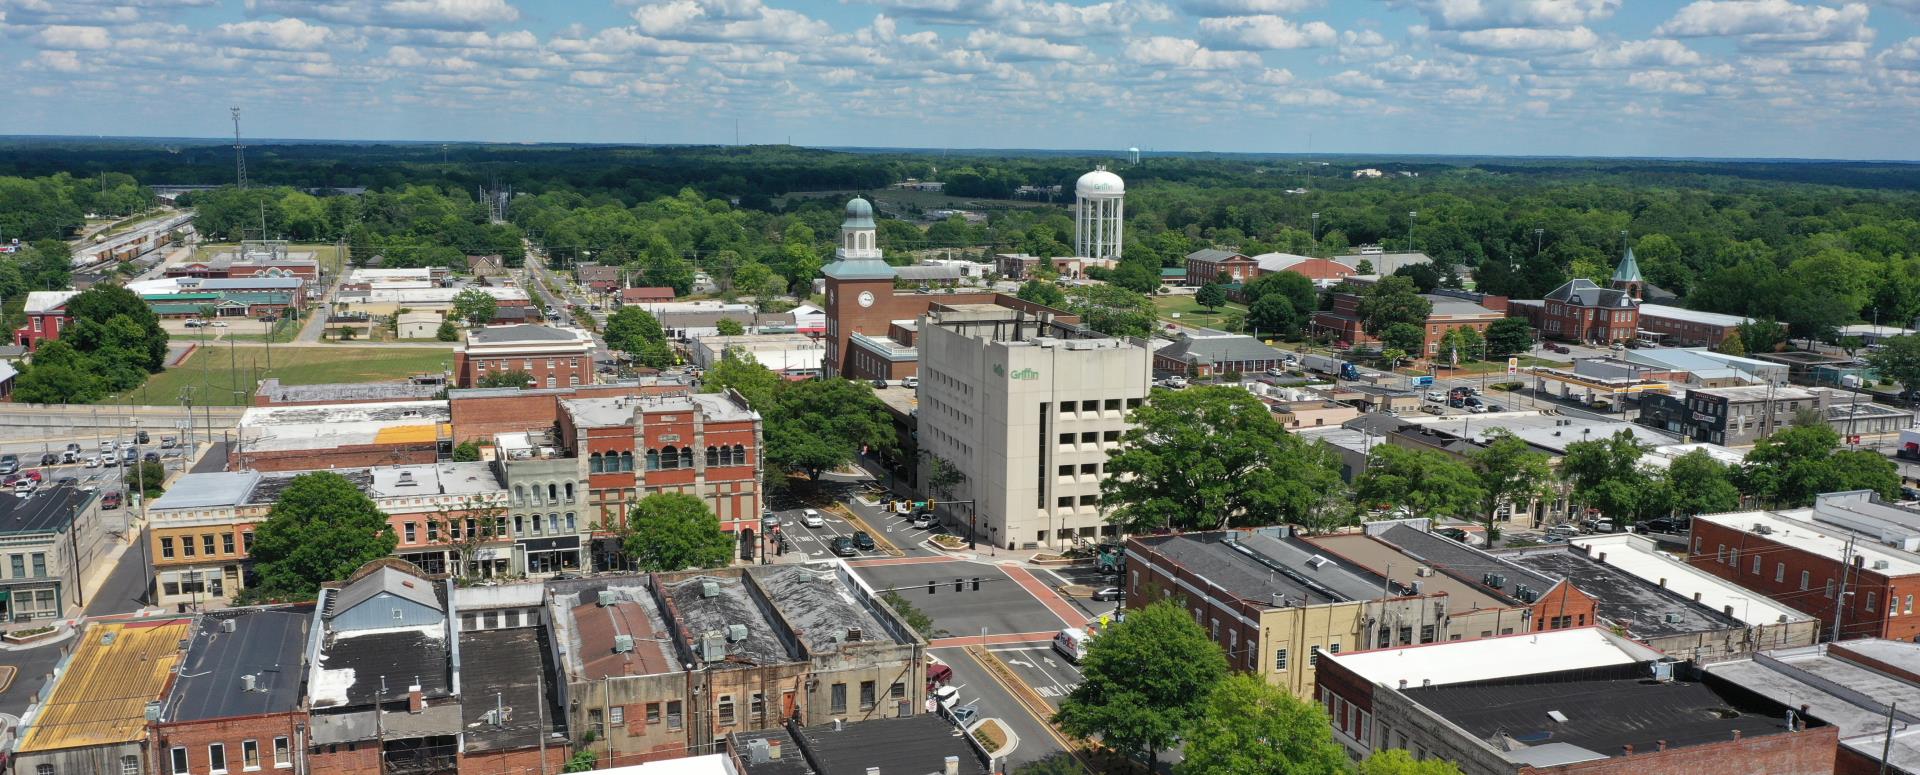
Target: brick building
x=1205 y=267
x=92 y=716
x=301 y=438
x=870 y=327
x=1323 y=272
x=46 y=317
x=1850 y=685
x=1451 y=310
x=551 y=357
x=481 y=413
x=238 y=703
x=272 y=393
x=1796 y=558
x=1678 y=326
x=1473 y=581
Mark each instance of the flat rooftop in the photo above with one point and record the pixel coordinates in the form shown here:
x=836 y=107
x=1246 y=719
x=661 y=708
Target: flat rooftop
x=1491 y=571
x=1797 y=528
x=1640 y=556
x=368 y=392
x=511 y=667
x=608 y=412
x=1691 y=315
x=428 y=479
x=1604 y=711
x=591 y=630
x=267 y=646
x=913 y=744
x=527 y=334
x=1742 y=393
x=1547 y=431
x=1208 y=556
x=268 y=428
x=714 y=604
x=47 y=509
x=1506 y=656
x=1626 y=600
x=1838 y=690
x=820 y=607
x=1384 y=559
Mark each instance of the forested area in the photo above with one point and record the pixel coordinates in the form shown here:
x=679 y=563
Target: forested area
x=1813 y=245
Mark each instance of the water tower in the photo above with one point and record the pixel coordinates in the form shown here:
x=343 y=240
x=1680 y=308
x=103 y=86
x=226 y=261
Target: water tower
x=1100 y=209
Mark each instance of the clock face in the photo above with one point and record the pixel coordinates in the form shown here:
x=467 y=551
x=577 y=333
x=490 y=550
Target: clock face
x=866 y=298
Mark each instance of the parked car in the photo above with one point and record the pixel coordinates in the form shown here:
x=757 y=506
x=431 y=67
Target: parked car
x=1107 y=593
x=1436 y=396
x=862 y=541
x=9 y=464
x=151 y=457
x=93 y=461
x=1456 y=534
x=218 y=324
x=1276 y=372
x=140 y=437
x=50 y=459
x=925 y=520
x=1667 y=525
x=910 y=382
x=168 y=442
x=111 y=500
x=1564 y=531
x=194 y=323
x=812 y=518
x=74 y=447
x=879 y=384
x=842 y=546
x=1559 y=348
x=1176 y=382
x=945 y=696
x=109 y=445
x=25 y=486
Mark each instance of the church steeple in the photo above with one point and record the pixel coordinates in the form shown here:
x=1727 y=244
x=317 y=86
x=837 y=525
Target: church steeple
x=858 y=256
x=1626 y=276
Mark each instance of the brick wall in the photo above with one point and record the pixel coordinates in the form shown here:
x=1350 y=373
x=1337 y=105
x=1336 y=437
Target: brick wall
x=523 y=761
x=1728 y=552
x=344 y=759
x=480 y=417
x=554 y=370
x=1573 y=607
x=233 y=733
x=354 y=456
x=1811 y=752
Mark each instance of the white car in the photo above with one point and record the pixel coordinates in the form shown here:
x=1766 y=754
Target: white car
x=910 y=382
x=218 y=324
x=93 y=461
x=1176 y=382
x=812 y=518
x=946 y=696
x=1276 y=372
x=1436 y=396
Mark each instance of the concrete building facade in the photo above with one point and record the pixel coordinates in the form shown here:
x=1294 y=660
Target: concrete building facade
x=1026 y=410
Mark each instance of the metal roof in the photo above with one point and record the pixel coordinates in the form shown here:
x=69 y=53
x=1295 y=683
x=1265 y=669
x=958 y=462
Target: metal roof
x=101 y=697
x=389 y=580
x=266 y=646
x=1628 y=270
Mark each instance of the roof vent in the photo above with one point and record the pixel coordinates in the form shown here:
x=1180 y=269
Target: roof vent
x=622 y=644
x=153 y=711
x=606 y=597
x=736 y=633
x=854 y=634
x=1557 y=716
x=1671 y=618
x=1423 y=571
x=709 y=589
x=1879 y=564
x=249 y=683
x=1316 y=561
x=229 y=625
x=405 y=480
x=106 y=638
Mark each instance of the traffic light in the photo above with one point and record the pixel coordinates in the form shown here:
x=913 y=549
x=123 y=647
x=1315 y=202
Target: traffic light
x=958 y=585
x=932 y=503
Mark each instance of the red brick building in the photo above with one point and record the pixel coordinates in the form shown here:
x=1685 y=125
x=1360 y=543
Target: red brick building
x=1451 y=310
x=1795 y=559
x=46 y=317
x=237 y=704
x=480 y=413
x=706 y=444
x=552 y=357
x=1205 y=267
x=1582 y=311
x=1322 y=272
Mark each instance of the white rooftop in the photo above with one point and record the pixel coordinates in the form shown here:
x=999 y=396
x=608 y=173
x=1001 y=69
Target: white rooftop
x=475 y=478
x=1797 y=529
x=1691 y=315
x=47 y=301
x=1663 y=455
x=1547 y=431
x=1640 y=556
x=1502 y=657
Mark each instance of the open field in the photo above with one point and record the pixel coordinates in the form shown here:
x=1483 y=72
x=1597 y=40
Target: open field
x=215 y=372
x=1192 y=314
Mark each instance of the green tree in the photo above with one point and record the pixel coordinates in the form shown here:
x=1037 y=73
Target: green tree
x=820 y=425
x=1390 y=301
x=1207 y=457
x=446 y=332
x=1396 y=761
x=582 y=760
x=729 y=327
x=1247 y=726
x=739 y=370
x=669 y=531
x=1511 y=473
x=1789 y=468
x=1701 y=485
x=1112 y=310
x=466 y=452
x=637 y=333
x=915 y=619
x=1426 y=483
x=1298 y=290
x=1508 y=337
x=1461 y=345
x=1042 y=292
x=1144 y=682
x=152 y=474
x=1761 y=336
x=1606 y=474
x=321 y=528
x=1365 y=267
x=475 y=306
x=117 y=326
x=504 y=379
x=1274 y=314
x=1732 y=345
x=1405 y=337
x=1211 y=296
x=757 y=280
x=1898 y=360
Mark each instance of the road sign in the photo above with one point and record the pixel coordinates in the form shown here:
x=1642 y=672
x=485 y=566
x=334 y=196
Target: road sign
x=1421 y=382
x=1513 y=366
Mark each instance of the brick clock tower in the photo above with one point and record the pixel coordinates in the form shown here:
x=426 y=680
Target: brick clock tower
x=859 y=286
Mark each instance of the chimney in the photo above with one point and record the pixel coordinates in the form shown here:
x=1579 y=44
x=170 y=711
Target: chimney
x=1660 y=745
x=1403 y=683
x=1626 y=750
x=773 y=749
x=1696 y=597
x=416 y=700
x=953 y=765
x=1603 y=558
x=1663 y=582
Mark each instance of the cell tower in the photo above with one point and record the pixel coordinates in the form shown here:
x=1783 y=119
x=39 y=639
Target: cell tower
x=239 y=152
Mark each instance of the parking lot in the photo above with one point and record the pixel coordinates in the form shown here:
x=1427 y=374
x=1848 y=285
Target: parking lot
x=999 y=606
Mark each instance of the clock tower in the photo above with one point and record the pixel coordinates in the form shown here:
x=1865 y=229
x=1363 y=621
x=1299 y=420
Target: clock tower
x=859 y=286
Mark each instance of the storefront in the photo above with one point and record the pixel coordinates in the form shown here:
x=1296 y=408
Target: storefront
x=547 y=556
x=30 y=601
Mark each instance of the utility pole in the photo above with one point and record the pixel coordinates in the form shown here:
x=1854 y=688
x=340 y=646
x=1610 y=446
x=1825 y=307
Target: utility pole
x=1886 y=746
x=139 y=532
x=1840 y=599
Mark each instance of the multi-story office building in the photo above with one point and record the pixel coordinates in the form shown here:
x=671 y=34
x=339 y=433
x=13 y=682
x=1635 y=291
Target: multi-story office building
x=550 y=357
x=1026 y=410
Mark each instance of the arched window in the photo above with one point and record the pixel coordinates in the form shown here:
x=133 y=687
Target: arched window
x=626 y=461
x=739 y=454
x=569 y=489
x=669 y=456
x=593 y=463
x=713 y=456
x=686 y=457
x=537 y=500
x=553 y=493
x=519 y=495
x=653 y=459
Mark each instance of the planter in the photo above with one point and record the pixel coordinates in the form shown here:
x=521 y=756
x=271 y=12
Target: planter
x=30 y=635
x=992 y=736
x=949 y=542
x=1053 y=559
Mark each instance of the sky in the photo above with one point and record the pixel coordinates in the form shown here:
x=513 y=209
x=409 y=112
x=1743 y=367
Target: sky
x=1719 y=78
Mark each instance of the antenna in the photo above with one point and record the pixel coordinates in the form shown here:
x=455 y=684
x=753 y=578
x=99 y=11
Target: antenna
x=239 y=153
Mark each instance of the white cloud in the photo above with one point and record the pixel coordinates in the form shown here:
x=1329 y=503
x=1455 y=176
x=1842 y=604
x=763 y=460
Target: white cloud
x=1032 y=17
x=1245 y=7
x=1665 y=81
x=1659 y=52
x=1519 y=41
x=1487 y=14
x=1013 y=48
x=1768 y=21
x=1259 y=33
x=288 y=34
x=430 y=14
x=1167 y=51
x=1406 y=69
x=68 y=38
x=738 y=21
x=1905 y=55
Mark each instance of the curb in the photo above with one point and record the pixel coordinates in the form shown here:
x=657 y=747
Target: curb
x=879 y=537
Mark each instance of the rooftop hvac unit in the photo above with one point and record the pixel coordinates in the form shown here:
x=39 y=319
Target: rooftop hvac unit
x=709 y=588
x=1316 y=561
x=757 y=752
x=736 y=633
x=1663 y=671
x=229 y=625
x=405 y=479
x=713 y=647
x=606 y=597
x=1495 y=580
x=1671 y=618
x=1879 y=564
x=622 y=644
x=249 y=683
x=153 y=711
x=1423 y=571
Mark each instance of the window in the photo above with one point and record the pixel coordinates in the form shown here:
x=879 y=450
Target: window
x=674 y=719
x=410 y=536
x=593 y=722
x=758 y=706
x=206 y=542
x=186 y=546
x=1720 y=554
x=1829 y=590
x=226 y=542
x=433 y=531
x=653 y=713
x=129 y=765
x=713 y=456
x=1313 y=656
x=40 y=565
x=1756 y=565
x=20 y=561
x=899 y=691
x=653 y=459
x=1806 y=579
x=867 y=695
x=1779 y=573
x=47 y=769
x=839 y=699
x=626 y=461
x=617 y=715
x=166 y=551
x=250 y=754
x=1909 y=605
x=217 y=758
x=1870 y=602
x=282 y=754
x=1733 y=557
x=593 y=463
x=726 y=709
x=740 y=454
x=686 y=457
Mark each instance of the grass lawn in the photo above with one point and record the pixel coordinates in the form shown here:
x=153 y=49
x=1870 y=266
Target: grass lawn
x=214 y=373
x=1192 y=314
x=284 y=330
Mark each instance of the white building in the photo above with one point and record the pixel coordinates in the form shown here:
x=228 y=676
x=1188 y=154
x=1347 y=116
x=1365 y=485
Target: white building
x=1100 y=204
x=1027 y=411
x=791 y=355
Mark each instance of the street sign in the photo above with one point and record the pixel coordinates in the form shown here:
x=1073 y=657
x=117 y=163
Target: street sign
x=1513 y=366
x=1421 y=382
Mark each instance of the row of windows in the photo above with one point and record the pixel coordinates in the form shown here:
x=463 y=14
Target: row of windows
x=187 y=546
x=1730 y=556
x=1091 y=437
x=541 y=496
x=18 y=565
x=1095 y=405
x=526 y=364
x=179 y=764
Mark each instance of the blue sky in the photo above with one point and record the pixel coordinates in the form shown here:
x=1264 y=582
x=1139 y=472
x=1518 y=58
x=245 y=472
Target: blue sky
x=1771 y=78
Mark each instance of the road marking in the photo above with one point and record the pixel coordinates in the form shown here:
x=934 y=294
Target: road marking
x=878 y=561
x=1004 y=638
x=1044 y=594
